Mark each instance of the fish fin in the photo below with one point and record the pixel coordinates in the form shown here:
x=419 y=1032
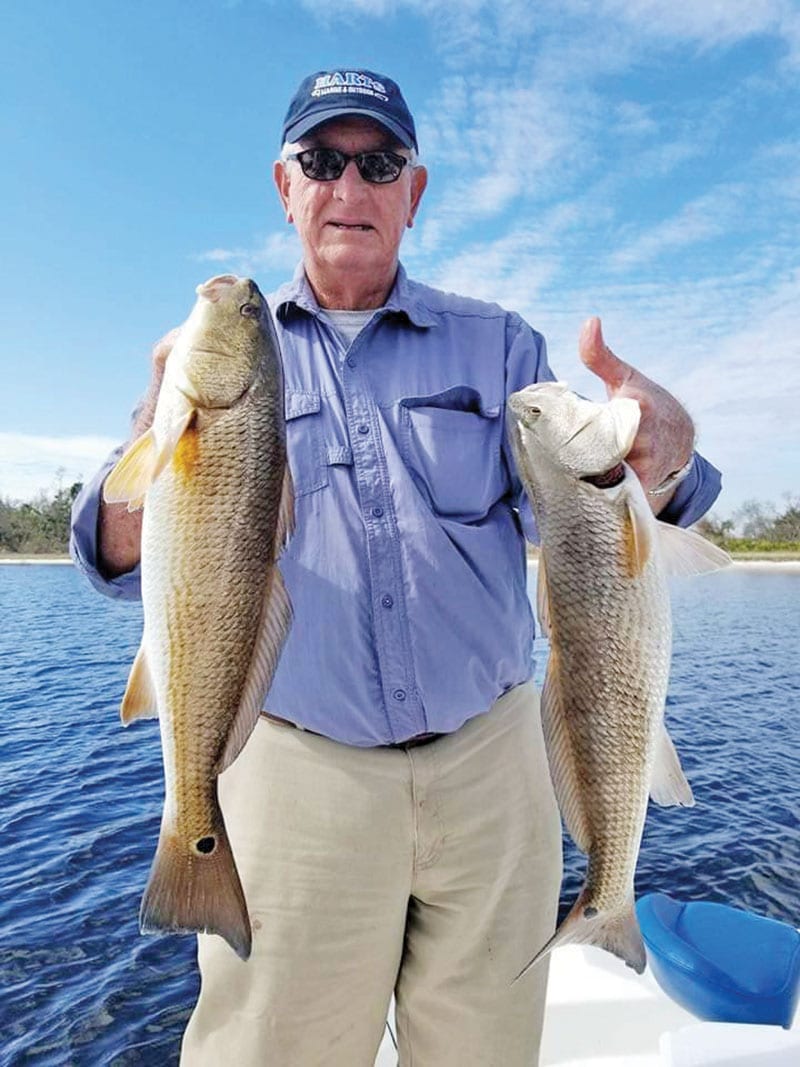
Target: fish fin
x=276 y=618
x=142 y=463
x=190 y=891
x=638 y=538
x=139 y=701
x=542 y=598
x=285 y=513
x=615 y=931
x=668 y=786
x=561 y=757
x=686 y=552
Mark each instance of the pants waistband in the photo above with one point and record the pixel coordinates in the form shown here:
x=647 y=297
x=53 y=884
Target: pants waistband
x=410 y=742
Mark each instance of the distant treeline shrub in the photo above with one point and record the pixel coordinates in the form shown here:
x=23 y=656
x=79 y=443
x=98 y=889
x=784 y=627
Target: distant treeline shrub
x=42 y=525
x=756 y=527
x=39 y=526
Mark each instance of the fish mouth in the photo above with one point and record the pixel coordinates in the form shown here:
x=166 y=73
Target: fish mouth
x=609 y=479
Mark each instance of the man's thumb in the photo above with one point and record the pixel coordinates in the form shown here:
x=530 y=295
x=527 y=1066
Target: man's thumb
x=599 y=358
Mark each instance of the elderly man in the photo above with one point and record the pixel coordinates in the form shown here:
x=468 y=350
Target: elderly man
x=392 y=815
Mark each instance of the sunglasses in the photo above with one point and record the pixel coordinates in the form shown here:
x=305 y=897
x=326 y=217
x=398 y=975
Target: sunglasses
x=327 y=164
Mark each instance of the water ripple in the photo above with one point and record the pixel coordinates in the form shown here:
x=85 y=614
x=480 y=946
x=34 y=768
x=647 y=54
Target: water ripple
x=82 y=803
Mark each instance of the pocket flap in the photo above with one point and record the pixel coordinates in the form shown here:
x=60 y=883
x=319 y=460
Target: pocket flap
x=456 y=398
x=297 y=404
x=340 y=454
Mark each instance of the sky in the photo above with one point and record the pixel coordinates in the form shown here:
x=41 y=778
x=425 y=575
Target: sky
x=633 y=159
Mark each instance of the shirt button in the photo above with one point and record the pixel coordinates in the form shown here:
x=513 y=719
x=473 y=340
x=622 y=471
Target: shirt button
x=399 y=694
x=350 y=361
x=377 y=512
x=387 y=601
x=363 y=428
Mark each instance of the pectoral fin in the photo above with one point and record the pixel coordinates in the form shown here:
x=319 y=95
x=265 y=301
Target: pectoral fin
x=136 y=471
x=638 y=536
x=686 y=552
x=139 y=701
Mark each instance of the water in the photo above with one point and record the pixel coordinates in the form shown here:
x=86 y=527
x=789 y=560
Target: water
x=81 y=804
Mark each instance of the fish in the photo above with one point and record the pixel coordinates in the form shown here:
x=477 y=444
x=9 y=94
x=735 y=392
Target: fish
x=603 y=602
x=212 y=476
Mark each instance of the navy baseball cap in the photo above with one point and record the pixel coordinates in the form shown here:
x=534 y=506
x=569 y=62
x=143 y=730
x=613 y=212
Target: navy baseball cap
x=330 y=94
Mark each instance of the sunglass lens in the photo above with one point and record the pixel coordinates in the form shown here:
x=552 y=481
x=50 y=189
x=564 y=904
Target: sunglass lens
x=380 y=166
x=322 y=164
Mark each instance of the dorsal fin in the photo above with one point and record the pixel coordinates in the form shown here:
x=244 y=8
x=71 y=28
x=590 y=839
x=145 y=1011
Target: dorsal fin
x=542 y=598
x=561 y=756
x=276 y=617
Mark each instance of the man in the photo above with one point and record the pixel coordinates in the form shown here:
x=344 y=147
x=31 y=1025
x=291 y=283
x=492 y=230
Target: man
x=392 y=815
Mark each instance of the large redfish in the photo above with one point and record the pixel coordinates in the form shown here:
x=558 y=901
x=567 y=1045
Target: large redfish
x=604 y=603
x=217 y=495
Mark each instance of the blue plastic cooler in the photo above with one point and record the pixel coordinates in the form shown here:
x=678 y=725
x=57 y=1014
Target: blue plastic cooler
x=721 y=963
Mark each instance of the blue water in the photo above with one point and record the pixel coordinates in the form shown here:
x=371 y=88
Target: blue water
x=81 y=804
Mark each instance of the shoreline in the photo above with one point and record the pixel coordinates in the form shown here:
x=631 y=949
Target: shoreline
x=744 y=561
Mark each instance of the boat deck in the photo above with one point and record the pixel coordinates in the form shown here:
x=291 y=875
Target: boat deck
x=601 y=1014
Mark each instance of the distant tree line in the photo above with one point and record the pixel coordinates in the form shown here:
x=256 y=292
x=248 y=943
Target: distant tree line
x=41 y=526
x=38 y=527
x=756 y=527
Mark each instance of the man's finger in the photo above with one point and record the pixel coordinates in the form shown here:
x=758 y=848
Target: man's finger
x=599 y=358
x=163 y=347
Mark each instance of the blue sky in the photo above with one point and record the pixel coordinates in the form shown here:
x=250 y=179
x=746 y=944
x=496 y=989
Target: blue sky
x=629 y=158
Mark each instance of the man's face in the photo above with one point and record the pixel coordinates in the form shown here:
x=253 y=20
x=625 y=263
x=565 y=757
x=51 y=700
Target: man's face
x=350 y=224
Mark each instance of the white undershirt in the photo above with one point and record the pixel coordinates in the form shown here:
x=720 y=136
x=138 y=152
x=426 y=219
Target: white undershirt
x=348 y=323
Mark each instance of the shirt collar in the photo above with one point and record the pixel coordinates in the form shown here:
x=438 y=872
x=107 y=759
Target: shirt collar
x=403 y=298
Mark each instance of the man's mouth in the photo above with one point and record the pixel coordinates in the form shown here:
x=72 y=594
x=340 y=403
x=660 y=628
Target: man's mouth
x=359 y=226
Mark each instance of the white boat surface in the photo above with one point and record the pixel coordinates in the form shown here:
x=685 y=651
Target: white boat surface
x=600 y=1013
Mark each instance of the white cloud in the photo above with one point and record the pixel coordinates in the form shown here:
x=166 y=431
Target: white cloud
x=31 y=464
x=699 y=220
x=275 y=252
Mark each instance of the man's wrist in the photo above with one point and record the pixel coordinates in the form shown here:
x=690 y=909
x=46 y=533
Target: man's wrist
x=673 y=480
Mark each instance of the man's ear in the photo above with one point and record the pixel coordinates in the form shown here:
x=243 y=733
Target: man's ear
x=280 y=175
x=419 y=179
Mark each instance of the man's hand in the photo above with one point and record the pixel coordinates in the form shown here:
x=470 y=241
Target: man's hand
x=143 y=417
x=665 y=439
x=119 y=531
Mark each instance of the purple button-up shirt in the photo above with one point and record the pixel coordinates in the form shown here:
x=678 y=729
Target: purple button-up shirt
x=406 y=569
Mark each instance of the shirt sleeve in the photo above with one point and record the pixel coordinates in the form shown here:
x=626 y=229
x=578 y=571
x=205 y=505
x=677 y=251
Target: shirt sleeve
x=83 y=538
x=526 y=363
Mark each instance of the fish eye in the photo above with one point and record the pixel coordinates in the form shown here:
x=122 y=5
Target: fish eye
x=250 y=311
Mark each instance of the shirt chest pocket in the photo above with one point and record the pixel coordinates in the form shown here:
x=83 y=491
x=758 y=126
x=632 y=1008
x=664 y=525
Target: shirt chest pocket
x=313 y=441
x=451 y=443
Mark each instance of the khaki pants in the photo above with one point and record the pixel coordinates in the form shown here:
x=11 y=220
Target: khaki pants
x=431 y=872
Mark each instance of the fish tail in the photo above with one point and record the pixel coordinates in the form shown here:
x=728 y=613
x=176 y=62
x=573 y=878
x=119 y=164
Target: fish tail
x=615 y=931
x=194 y=886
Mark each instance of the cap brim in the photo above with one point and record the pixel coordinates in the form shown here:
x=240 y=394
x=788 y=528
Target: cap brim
x=306 y=125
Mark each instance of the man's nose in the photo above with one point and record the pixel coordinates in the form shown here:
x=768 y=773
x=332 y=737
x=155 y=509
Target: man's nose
x=349 y=184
